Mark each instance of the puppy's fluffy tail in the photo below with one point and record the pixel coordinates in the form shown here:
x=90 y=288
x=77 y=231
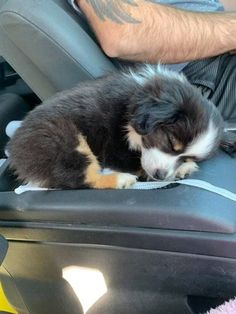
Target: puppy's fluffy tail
x=43 y=152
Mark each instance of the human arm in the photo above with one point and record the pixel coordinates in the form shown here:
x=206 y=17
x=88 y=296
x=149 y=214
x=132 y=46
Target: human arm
x=229 y=5
x=154 y=32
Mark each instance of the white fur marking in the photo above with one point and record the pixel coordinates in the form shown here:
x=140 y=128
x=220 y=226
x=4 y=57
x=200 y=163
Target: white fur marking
x=154 y=159
x=125 y=180
x=148 y=71
x=203 y=144
x=185 y=169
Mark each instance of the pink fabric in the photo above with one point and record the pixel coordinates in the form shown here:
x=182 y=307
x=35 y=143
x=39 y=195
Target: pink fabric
x=226 y=308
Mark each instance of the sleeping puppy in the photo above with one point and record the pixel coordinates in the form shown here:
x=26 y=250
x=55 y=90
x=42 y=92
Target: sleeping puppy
x=150 y=120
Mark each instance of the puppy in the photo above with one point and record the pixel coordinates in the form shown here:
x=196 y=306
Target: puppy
x=151 y=120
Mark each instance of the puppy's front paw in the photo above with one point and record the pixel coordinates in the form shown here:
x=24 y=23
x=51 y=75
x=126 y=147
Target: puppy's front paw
x=125 y=180
x=186 y=169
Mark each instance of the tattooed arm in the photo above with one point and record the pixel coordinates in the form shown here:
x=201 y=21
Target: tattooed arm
x=140 y=30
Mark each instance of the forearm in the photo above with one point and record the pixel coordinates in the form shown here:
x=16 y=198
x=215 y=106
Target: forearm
x=229 y=5
x=162 y=33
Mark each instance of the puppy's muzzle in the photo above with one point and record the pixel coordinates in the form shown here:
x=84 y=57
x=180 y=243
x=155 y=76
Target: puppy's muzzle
x=160 y=174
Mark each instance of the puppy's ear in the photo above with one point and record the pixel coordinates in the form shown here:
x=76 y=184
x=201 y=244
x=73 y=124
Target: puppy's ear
x=228 y=143
x=148 y=116
x=142 y=124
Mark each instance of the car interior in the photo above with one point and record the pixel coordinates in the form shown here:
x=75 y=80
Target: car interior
x=169 y=250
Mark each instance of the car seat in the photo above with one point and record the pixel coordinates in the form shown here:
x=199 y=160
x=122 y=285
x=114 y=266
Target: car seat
x=49 y=45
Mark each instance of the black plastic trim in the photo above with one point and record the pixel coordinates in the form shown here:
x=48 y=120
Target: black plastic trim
x=210 y=244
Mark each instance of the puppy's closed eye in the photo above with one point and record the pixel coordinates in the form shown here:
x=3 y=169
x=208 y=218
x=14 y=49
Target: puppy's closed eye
x=184 y=159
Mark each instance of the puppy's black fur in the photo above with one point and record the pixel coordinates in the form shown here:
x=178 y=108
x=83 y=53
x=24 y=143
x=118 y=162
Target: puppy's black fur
x=43 y=149
x=49 y=148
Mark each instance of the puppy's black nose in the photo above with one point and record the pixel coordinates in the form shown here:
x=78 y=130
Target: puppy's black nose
x=160 y=174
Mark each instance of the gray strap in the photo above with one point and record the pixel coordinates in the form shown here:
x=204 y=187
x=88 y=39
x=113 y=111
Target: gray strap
x=2 y=161
x=158 y=185
x=190 y=182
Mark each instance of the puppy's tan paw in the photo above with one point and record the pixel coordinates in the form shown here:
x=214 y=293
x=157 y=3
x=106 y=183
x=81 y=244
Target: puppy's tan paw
x=125 y=180
x=186 y=169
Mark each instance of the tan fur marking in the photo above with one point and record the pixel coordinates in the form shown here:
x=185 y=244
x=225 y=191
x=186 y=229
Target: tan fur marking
x=92 y=175
x=108 y=181
x=134 y=139
x=178 y=146
x=188 y=159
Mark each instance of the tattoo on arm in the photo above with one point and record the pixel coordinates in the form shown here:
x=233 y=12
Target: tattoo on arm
x=113 y=10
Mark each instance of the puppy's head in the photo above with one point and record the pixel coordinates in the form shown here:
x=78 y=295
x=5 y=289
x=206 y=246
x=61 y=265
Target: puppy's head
x=170 y=122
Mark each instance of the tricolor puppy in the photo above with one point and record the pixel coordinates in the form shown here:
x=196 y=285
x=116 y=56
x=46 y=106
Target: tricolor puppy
x=149 y=120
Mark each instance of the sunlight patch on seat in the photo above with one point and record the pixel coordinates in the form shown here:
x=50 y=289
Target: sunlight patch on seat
x=88 y=284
